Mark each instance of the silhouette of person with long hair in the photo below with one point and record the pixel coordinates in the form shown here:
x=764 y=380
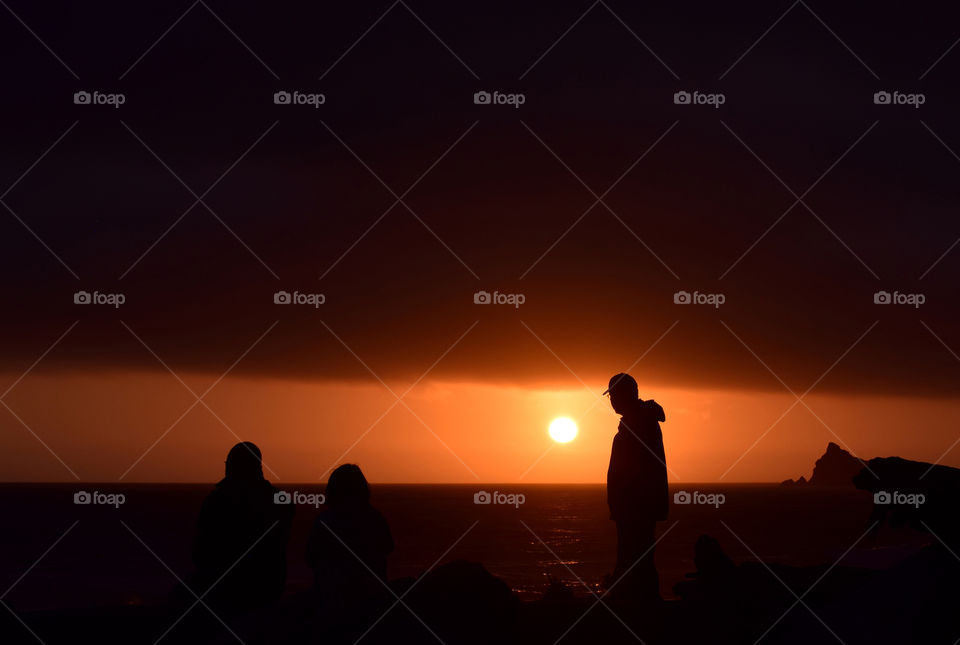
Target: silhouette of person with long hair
x=350 y=540
x=636 y=489
x=240 y=548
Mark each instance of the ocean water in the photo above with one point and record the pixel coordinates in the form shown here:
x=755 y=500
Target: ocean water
x=56 y=553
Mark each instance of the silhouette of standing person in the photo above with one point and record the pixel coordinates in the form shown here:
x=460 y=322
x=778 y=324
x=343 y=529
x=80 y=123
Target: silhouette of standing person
x=350 y=540
x=636 y=489
x=240 y=548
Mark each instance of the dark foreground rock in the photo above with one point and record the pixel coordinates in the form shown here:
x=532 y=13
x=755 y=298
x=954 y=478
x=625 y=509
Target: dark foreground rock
x=722 y=602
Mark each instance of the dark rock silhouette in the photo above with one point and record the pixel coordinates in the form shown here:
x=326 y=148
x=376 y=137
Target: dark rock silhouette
x=794 y=482
x=464 y=603
x=915 y=493
x=835 y=468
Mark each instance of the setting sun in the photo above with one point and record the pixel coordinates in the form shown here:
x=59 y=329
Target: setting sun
x=563 y=429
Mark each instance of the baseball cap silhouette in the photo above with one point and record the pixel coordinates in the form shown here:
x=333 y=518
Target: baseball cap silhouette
x=619 y=382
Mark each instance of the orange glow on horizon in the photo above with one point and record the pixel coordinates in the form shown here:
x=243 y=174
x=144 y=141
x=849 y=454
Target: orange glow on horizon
x=103 y=426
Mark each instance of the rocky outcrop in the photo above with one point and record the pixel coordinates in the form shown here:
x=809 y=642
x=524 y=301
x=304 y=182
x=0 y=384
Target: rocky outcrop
x=836 y=467
x=914 y=493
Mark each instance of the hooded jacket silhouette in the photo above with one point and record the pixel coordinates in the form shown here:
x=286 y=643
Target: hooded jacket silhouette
x=637 y=476
x=240 y=549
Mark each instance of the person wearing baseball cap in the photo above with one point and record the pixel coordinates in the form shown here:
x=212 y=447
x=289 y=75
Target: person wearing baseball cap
x=636 y=490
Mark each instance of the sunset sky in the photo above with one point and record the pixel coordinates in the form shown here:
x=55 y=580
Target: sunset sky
x=398 y=199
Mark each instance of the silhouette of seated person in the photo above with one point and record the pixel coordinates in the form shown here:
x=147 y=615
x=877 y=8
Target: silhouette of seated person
x=240 y=548
x=349 y=542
